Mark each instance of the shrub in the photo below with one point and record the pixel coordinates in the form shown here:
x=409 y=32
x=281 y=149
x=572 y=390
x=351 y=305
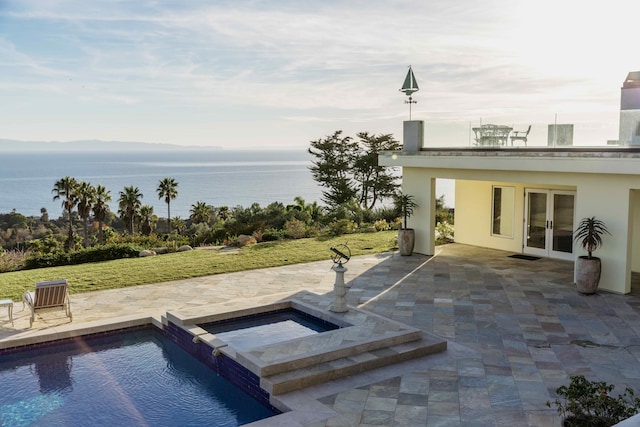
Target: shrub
x=341 y=226
x=272 y=234
x=138 y=240
x=588 y=403
x=12 y=260
x=98 y=254
x=202 y=234
x=295 y=229
x=387 y=213
x=397 y=223
x=258 y=235
x=444 y=232
x=381 y=225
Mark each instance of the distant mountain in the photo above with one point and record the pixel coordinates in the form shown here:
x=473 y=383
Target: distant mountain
x=93 y=145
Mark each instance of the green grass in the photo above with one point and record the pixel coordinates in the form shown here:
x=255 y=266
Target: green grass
x=182 y=265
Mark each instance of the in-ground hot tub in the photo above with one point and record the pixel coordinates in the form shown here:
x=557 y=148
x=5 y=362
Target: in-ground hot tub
x=255 y=330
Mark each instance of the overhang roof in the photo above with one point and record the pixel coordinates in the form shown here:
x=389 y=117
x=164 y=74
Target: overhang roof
x=590 y=160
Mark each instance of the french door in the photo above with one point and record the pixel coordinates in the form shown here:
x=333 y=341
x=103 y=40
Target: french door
x=548 y=223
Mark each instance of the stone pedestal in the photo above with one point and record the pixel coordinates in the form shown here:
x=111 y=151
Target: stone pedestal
x=413 y=135
x=339 y=290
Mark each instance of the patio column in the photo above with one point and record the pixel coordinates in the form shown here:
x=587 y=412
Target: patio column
x=420 y=184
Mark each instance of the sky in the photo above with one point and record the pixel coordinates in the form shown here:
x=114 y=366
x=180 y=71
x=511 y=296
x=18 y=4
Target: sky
x=281 y=73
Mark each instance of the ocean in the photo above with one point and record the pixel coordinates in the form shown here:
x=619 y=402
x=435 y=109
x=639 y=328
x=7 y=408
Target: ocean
x=216 y=177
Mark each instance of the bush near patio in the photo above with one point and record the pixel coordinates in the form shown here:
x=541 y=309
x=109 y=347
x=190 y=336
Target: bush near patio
x=590 y=403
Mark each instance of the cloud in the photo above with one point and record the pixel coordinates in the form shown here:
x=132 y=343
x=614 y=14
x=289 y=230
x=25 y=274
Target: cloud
x=317 y=61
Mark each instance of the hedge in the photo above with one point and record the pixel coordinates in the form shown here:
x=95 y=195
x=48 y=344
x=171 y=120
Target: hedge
x=97 y=254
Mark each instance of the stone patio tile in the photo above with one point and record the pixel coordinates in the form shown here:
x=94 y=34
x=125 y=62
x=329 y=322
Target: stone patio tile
x=443 y=396
x=380 y=404
x=410 y=415
x=377 y=417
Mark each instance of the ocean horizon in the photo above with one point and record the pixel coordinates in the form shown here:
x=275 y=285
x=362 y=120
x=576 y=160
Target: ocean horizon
x=216 y=177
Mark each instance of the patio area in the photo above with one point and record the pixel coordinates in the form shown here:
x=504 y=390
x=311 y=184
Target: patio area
x=516 y=330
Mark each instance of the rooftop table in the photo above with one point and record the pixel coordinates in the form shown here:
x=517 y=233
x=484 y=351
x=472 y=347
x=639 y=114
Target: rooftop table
x=492 y=135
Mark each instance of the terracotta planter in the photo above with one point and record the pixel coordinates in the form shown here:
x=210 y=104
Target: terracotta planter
x=587 y=274
x=406 y=241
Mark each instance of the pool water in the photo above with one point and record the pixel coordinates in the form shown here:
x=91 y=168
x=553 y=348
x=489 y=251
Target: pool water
x=132 y=378
x=244 y=333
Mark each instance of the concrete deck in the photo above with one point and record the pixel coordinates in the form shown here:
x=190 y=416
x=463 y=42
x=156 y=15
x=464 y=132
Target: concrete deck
x=516 y=330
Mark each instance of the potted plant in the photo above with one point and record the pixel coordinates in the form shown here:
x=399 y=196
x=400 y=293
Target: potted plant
x=589 y=234
x=404 y=205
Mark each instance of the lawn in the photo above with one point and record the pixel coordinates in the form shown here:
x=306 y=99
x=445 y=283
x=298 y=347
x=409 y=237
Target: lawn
x=200 y=262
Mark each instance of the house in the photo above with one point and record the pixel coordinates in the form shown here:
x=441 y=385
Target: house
x=528 y=200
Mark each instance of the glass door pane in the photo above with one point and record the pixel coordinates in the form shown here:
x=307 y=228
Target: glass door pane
x=563 y=223
x=536 y=220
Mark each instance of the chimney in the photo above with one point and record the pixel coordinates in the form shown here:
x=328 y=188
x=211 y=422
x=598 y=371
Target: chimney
x=629 y=133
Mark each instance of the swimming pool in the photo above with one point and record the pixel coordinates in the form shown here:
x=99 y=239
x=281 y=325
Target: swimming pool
x=256 y=330
x=129 y=378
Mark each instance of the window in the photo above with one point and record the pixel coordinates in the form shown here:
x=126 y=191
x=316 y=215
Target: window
x=503 y=211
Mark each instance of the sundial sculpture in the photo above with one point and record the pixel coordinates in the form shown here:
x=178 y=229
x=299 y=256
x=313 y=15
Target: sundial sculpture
x=341 y=255
x=341 y=252
x=409 y=87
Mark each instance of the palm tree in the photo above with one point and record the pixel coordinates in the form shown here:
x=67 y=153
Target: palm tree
x=44 y=215
x=86 y=198
x=168 y=188
x=224 y=213
x=300 y=204
x=65 y=189
x=200 y=212
x=178 y=224
x=316 y=211
x=129 y=205
x=101 y=208
x=147 y=219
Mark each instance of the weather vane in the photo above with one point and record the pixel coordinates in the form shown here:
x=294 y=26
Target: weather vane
x=410 y=86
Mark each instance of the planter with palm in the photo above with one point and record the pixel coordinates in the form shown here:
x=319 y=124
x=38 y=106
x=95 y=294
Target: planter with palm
x=405 y=205
x=588 y=268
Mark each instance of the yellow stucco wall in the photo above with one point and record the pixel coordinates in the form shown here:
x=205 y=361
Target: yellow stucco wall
x=607 y=197
x=606 y=187
x=635 y=230
x=473 y=201
x=473 y=216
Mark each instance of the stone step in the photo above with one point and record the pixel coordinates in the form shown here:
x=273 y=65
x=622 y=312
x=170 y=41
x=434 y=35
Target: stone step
x=351 y=365
x=339 y=351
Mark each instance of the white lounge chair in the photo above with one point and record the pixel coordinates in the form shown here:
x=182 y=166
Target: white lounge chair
x=48 y=296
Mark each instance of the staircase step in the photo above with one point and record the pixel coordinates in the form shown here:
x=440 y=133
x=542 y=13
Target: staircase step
x=329 y=353
x=328 y=370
